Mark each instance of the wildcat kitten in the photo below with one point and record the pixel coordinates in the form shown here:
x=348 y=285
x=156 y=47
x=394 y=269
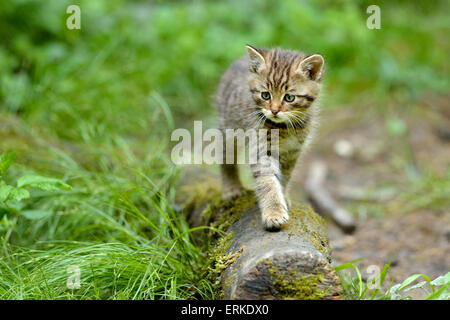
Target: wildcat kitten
x=272 y=89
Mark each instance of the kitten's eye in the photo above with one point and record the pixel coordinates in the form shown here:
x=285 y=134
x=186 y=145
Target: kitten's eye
x=289 y=97
x=265 y=95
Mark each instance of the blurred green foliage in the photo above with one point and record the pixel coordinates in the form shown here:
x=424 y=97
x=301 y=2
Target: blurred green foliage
x=95 y=107
x=128 y=49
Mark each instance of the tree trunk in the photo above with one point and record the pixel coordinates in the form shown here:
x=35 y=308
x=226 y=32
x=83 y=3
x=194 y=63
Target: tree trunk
x=248 y=262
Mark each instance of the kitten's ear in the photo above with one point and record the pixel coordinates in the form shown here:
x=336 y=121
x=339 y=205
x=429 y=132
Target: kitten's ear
x=312 y=67
x=257 y=62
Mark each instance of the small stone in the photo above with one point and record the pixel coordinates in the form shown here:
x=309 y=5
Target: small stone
x=344 y=148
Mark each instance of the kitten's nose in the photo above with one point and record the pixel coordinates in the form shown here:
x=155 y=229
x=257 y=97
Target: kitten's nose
x=274 y=111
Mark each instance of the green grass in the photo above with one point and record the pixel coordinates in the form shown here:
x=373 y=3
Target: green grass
x=356 y=288
x=123 y=250
x=94 y=109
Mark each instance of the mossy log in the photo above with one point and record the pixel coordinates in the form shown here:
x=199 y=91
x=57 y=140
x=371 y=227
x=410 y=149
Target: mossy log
x=248 y=262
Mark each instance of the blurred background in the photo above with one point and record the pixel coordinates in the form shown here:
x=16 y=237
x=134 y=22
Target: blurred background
x=86 y=116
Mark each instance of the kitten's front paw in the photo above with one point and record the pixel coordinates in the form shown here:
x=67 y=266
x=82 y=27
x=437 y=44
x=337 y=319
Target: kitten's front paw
x=232 y=193
x=274 y=219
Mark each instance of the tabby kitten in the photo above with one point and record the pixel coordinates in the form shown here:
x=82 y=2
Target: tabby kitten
x=271 y=89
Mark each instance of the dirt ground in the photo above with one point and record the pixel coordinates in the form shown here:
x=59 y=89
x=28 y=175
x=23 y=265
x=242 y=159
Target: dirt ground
x=371 y=161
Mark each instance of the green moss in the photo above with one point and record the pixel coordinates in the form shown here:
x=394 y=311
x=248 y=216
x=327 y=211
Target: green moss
x=222 y=214
x=292 y=286
x=196 y=195
x=218 y=260
x=304 y=221
x=218 y=213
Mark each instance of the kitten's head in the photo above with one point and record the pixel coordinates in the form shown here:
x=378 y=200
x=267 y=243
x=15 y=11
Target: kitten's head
x=284 y=84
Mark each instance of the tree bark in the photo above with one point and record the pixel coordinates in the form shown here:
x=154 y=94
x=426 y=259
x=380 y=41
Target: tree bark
x=323 y=202
x=249 y=262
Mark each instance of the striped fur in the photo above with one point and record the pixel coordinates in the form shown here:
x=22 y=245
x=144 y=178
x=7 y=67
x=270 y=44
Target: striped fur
x=242 y=105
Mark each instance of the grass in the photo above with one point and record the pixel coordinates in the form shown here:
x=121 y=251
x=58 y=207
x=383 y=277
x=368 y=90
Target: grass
x=94 y=109
x=122 y=251
x=356 y=288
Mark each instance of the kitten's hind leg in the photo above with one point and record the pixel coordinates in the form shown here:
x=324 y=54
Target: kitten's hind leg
x=231 y=185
